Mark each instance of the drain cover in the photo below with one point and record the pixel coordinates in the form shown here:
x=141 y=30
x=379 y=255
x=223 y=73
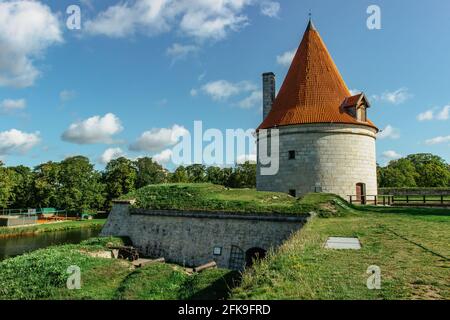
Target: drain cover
x=343 y=243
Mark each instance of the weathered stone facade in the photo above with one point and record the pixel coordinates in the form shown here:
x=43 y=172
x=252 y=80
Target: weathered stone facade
x=329 y=158
x=190 y=238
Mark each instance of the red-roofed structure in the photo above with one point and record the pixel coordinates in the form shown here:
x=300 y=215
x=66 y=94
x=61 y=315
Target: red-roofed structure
x=321 y=139
x=313 y=90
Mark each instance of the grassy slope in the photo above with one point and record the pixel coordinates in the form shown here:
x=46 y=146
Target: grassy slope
x=169 y=282
x=218 y=198
x=60 y=226
x=42 y=275
x=411 y=247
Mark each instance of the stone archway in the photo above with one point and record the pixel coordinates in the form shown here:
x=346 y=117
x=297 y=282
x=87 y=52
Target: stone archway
x=254 y=254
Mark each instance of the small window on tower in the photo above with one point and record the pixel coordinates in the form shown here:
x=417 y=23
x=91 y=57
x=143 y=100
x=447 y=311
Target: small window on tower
x=293 y=193
x=291 y=155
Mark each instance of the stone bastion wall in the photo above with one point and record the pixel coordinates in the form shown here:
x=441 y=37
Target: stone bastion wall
x=194 y=238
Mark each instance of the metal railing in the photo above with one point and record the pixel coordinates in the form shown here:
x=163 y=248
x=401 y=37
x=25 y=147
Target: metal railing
x=32 y=212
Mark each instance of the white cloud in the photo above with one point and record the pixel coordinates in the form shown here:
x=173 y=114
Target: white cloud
x=15 y=141
x=426 y=116
x=158 y=138
x=444 y=113
x=255 y=98
x=270 y=8
x=389 y=133
x=194 y=92
x=111 y=154
x=222 y=89
x=354 y=92
x=96 y=129
x=391 y=155
x=27 y=29
x=246 y=157
x=435 y=114
x=9 y=105
x=395 y=97
x=163 y=157
x=438 y=140
x=67 y=95
x=179 y=51
x=200 y=19
x=286 y=58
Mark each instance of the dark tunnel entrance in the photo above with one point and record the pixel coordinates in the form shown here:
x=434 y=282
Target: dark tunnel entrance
x=254 y=254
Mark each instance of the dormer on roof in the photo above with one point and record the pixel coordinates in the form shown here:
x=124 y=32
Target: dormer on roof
x=357 y=106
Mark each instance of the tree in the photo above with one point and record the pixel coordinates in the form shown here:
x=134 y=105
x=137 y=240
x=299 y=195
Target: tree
x=433 y=171
x=120 y=177
x=80 y=185
x=23 y=187
x=46 y=184
x=196 y=173
x=246 y=175
x=215 y=175
x=179 y=176
x=6 y=186
x=422 y=170
x=149 y=172
x=399 y=174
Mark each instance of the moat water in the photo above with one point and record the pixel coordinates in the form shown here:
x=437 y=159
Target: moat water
x=11 y=247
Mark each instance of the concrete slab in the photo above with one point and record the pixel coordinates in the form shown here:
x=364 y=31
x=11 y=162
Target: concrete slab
x=341 y=243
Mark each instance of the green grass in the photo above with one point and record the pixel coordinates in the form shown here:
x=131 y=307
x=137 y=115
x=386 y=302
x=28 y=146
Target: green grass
x=42 y=275
x=169 y=282
x=50 y=227
x=411 y=246
x=209 y=197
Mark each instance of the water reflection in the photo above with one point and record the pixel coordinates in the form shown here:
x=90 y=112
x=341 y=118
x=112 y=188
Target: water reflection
x=11 y=247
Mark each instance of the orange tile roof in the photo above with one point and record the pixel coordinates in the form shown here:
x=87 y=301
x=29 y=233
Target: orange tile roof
x=313 y=90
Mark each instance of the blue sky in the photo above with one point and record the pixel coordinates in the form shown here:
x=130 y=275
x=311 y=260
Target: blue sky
x=139 y=71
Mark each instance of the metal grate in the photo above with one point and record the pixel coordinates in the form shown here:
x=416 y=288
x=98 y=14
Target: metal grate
x=237 y=259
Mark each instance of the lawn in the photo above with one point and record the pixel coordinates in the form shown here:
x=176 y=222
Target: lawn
x=411 y=246
x=42 y=275
x=209 y=197
x=50 y=227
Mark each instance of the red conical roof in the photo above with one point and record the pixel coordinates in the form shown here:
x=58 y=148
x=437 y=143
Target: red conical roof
x=313 y=90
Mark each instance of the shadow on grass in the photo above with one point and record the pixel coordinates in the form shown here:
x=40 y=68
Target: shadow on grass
x=217 y=290
x=418 y=245
x=412 y=211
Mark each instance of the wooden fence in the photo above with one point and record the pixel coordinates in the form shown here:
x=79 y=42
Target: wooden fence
x=404 y=200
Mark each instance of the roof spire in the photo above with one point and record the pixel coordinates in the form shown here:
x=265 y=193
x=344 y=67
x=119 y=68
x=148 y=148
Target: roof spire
x=311 y=25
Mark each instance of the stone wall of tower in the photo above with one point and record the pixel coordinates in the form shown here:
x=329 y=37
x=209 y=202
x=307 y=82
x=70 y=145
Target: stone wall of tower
x=331 y=158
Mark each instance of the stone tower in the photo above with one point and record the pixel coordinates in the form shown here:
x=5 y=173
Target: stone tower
x=326 y=141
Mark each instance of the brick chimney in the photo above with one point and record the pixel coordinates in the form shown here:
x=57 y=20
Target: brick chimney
x=268 y=92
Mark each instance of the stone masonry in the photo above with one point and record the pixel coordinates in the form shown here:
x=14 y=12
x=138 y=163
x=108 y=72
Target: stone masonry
x=190 y=238
x=329 y=158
